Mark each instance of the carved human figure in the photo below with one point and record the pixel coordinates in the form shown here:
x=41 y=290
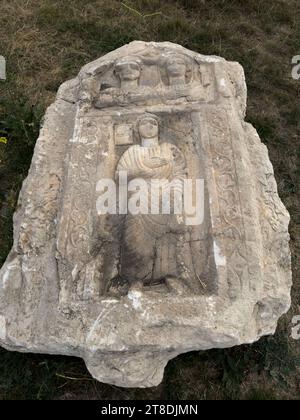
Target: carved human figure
x=176 y=70
x=128 y=72
x=149 y=242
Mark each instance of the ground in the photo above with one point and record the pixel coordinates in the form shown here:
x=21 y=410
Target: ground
x=45 y=43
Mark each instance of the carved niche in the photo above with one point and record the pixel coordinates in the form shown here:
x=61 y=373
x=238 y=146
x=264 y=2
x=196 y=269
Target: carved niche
x=136 y=115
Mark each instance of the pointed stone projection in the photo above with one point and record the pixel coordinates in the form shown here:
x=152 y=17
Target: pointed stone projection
x=149 y=224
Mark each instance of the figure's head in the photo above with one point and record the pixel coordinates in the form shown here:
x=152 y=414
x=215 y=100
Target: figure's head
x=148 y=127
x=128 y=68
x=176 y=66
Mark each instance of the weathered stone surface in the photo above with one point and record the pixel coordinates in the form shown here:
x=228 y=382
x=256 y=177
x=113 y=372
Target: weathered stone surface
x=129 y=292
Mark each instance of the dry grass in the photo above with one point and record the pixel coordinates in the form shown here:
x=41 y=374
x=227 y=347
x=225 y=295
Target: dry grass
x=46 y=42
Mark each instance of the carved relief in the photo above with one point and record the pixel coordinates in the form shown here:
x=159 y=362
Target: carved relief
x=123 y=134
x=231 y=216
x=149 y=241
x=128 y=287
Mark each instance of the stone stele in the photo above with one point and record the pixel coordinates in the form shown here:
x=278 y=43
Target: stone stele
x=129 y=291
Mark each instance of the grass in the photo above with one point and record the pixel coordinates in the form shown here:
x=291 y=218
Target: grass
x=46 y=42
